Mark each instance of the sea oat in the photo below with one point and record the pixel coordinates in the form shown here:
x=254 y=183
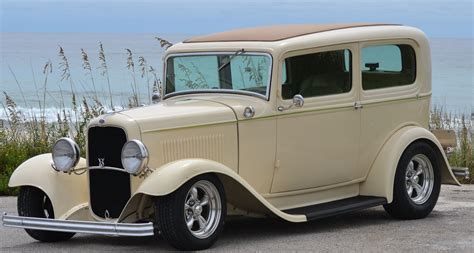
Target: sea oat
x=164 y=43
x=64 y=65
x=105 y=72
x=87 y=66
x=131 y=67
x=130 y=63
x=144 y=72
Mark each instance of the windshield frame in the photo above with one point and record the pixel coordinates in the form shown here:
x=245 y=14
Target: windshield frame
x=214 y=91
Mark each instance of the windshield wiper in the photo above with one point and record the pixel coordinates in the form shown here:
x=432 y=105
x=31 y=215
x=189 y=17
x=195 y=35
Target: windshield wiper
x=223 y=65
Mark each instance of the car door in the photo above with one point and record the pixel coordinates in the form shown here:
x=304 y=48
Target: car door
x=317 y=144
x=390 y=85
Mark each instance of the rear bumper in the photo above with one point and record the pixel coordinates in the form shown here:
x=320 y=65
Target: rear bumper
x=460 y=172
x=89 y=227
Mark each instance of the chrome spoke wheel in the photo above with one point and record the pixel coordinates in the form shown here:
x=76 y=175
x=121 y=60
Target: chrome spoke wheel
x=202 y=209
x=33 y=202
x=417 y=182
x=419 y=179
x=47 y=207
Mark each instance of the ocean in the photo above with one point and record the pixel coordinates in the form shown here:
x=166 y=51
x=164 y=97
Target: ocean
x=23 y=56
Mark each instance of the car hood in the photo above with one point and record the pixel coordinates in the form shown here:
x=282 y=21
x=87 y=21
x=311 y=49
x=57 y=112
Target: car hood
x=180 y=113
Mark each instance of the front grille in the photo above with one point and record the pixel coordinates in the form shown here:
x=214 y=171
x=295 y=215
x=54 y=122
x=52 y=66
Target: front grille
x=109 y=189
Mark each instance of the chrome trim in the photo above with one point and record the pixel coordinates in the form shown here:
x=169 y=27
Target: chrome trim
x=460 y=172
x=218 y=91
x=155 y=97
x=298 y=102
x=358 y=105
x=249 y=112
x=104 y=167
x=100 y=168
x=74 y=226
x=229 y=91
x=419 y=179
x=54 y=166
x=75 y=149
x=202 y=209
x=449 y=151
x=80 y=170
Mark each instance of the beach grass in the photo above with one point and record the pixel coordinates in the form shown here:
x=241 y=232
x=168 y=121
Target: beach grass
x=24 y=134
x=463 y=154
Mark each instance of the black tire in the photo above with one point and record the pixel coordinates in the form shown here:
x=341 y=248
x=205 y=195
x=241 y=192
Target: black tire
x=33 y=202
x=170 y=216
x=403 y=206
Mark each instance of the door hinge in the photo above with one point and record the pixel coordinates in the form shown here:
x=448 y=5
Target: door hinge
x=277 y=164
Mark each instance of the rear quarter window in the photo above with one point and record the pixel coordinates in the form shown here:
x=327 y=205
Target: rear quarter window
x=387 y=66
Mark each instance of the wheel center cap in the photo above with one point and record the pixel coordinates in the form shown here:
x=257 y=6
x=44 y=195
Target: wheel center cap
x=197 y=210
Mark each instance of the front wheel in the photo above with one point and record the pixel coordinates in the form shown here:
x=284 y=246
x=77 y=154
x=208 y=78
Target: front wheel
x=33 y=202
x=417 y=183
x=192 y=217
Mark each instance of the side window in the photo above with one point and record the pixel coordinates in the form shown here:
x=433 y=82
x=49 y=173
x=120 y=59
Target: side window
x=387 y=66
x=318 y=74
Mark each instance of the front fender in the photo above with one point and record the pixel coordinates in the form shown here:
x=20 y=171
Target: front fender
x=171 y=176
x=381 y=176
x=66 y=191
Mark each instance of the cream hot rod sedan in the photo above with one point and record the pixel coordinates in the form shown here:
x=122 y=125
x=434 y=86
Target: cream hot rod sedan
x=299 y=122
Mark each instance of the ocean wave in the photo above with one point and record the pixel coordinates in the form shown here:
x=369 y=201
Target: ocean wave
x=49 y=114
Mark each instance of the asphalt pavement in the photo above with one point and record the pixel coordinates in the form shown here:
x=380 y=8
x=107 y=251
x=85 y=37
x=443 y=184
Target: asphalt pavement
x=450 y=227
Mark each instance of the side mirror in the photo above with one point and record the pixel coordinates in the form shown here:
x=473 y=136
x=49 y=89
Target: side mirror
x=298 y=100
x=155 y=97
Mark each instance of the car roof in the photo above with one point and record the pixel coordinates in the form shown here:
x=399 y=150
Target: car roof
x=275 y=33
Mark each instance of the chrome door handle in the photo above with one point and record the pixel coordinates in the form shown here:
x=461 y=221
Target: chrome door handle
x=358 y=105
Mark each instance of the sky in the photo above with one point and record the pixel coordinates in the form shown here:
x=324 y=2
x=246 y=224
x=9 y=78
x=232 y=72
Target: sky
x=437 y=18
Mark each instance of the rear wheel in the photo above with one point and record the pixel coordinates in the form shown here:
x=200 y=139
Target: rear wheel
x=192 y=217
x=32 y=202
x=417 y=183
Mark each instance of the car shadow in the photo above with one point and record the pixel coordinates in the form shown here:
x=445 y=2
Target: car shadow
x=255 y=227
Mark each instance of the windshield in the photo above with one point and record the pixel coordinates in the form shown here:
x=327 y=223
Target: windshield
x=239 y=71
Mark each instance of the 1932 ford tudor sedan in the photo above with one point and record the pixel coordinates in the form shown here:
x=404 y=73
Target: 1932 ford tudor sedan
x=299 y=122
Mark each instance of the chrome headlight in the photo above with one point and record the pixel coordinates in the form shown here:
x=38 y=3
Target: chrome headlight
x=134 y=156
x=65 y=154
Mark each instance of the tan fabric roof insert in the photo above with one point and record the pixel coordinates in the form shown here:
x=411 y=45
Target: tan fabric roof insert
x=273 y=33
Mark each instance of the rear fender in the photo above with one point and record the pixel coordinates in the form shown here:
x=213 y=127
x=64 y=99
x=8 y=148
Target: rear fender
x=381 y=176
x=66 y=191
x=171 y=176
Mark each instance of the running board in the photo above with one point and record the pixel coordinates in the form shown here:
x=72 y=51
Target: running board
x=337 y=207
